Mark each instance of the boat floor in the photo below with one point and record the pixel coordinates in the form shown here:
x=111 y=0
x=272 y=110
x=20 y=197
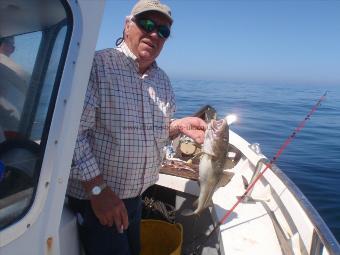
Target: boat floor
x=196 y=229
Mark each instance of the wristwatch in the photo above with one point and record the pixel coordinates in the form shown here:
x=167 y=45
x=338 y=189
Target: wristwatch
x=96 y=190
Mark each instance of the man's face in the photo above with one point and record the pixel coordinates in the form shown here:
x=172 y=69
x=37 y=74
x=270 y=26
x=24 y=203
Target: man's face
x=7 y=46
x=146 y=46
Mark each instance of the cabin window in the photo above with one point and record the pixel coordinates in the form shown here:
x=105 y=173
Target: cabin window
x=33 y=41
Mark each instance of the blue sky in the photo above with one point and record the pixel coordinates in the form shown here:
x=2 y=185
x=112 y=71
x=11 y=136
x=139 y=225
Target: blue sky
x=247 y=41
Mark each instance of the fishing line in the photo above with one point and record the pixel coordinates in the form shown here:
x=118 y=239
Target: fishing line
x=277 y=155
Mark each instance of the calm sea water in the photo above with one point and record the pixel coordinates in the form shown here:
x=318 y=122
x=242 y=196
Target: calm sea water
x=267 y=115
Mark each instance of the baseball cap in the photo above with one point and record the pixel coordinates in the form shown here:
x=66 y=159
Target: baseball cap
x=151 y=5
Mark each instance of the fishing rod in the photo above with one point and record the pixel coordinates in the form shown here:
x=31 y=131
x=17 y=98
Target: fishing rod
x=268 y=165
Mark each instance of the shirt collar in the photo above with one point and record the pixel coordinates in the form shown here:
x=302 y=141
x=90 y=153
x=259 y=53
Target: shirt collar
x=127 y=52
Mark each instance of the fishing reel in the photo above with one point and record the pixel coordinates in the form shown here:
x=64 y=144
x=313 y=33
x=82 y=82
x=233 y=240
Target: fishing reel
x=186 y=148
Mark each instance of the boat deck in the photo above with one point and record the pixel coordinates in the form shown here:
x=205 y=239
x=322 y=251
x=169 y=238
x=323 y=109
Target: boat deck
x=243 y=233
x=196 y=229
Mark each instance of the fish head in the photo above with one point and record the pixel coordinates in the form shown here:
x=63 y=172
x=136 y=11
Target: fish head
x=216 y=138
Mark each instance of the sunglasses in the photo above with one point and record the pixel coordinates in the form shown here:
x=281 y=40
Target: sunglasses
x=149 y=26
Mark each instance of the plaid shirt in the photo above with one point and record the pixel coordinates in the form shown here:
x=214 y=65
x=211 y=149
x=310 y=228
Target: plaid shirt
x=124 y=125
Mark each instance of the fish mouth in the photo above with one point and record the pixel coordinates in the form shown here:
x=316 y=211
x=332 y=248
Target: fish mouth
x=217 y=125
x=218 y=128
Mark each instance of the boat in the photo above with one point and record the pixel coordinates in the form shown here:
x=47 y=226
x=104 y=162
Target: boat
x=55 y=41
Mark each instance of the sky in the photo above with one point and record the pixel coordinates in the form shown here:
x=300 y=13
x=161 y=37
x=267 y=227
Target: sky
x=260 y=41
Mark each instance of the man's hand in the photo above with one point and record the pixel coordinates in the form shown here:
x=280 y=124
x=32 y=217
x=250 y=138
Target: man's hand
x=107 y=206
x=110 y=209
x=191 y=126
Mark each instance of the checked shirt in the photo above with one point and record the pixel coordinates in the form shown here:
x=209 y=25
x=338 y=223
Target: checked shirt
x=124 y=125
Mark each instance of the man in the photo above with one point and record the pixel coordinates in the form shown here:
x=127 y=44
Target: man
x=125 y=124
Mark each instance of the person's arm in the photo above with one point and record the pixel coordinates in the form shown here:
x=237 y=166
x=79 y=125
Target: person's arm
x=83 y=159
x=107 y=206
x=191 y=126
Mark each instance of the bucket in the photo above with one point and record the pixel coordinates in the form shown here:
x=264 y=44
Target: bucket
x=161 y=238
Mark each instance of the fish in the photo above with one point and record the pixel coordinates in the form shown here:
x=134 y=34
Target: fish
x=212 y=172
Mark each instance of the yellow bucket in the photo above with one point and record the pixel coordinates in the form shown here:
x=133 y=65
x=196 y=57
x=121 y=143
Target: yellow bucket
x=161 y=238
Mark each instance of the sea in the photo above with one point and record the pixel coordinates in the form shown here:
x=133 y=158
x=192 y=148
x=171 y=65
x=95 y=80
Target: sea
x=268 y=114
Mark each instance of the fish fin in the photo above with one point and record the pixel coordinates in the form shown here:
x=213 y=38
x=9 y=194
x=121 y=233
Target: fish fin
x=208 y=202
x=225 y=178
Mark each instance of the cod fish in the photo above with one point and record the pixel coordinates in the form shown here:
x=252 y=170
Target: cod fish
x=211 y=167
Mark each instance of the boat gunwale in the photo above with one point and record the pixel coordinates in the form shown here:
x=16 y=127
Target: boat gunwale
x=323 y=232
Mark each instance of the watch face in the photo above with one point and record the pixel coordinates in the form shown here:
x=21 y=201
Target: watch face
x=96 y=190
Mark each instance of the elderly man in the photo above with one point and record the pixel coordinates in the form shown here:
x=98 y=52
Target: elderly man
x=126 y=121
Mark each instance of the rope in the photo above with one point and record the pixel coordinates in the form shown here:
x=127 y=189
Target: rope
x=166 y=210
